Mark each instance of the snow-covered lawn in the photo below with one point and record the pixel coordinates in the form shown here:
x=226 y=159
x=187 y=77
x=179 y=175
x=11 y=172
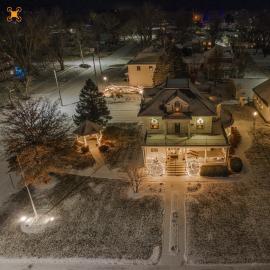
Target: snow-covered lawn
x=94 y=218
x=228 y=222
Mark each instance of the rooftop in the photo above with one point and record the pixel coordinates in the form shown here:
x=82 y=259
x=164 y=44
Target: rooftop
x=263 y=91
x=157 y=97
x=148 y=56
x=194 y=140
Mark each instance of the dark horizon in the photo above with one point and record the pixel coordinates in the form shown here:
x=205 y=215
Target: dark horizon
x=85 y=5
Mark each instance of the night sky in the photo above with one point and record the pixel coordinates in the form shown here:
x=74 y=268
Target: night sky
x=83 y=5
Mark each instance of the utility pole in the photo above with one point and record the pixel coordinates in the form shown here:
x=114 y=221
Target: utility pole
x=98 y=51
x=28 y=191
x=81 y=52
x=58 y=88
x=92 y=50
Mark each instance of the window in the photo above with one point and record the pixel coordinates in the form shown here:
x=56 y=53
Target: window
x=154 y=124
x=154 y=150
x=177 y=106
x=200 y=123
x=138 y=68
x=151 y=68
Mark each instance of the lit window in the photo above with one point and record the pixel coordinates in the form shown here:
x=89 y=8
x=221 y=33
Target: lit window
x=154 y=149
x=151 y=68
x=200 y=123
x=177 y=106
x=154 y=124
x=138 y=68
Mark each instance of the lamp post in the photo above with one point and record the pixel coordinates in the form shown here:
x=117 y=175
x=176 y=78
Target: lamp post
x=254 y=121
x=58 y=88
x=105 y=79
x=27 y=188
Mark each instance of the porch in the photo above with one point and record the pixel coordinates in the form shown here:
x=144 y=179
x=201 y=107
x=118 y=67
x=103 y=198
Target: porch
x=194 y=140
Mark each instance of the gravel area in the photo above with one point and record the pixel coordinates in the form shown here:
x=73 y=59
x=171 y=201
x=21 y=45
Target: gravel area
x=94 y=218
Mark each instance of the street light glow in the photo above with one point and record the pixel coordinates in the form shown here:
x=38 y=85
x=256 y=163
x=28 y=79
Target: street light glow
x=23 y=218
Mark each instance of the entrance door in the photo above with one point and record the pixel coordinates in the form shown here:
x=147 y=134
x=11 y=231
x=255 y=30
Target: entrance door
x=177 y=128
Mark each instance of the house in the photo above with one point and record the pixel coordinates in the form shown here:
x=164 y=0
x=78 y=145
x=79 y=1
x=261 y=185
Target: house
x=141 y=69
x=262 y=99
x=219 y=61
x=182 y=129
x=243 y=88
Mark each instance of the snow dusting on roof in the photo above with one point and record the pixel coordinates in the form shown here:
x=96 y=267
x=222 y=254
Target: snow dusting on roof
x=198 y=105
x=263 y=91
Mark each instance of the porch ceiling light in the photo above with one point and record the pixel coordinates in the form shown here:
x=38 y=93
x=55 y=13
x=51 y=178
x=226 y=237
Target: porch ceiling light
x=200 y=121
x=154 y=121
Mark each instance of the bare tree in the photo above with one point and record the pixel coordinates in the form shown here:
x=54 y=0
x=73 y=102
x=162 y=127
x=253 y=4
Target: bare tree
x=136 y=176
x=57 y=38
x=24 y=42
x=215 y=65
x=35 y=131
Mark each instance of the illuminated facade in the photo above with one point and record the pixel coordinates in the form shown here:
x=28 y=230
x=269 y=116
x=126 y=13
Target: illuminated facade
x=182 y=129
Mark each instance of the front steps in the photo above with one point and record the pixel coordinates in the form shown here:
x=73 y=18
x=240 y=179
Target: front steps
x=175 y=167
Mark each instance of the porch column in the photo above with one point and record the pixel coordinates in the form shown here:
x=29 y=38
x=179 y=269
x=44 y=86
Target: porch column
x=205 y=154
x=227 y=154
x=189 y=129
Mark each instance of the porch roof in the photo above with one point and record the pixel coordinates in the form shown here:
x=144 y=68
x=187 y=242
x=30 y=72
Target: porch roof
x=194 y=140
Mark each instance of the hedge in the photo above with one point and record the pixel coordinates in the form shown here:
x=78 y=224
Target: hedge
x=214 y=170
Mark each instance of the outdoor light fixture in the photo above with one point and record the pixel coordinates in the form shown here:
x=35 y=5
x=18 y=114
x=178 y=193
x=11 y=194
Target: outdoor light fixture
x=200 y=123
x=23 y=218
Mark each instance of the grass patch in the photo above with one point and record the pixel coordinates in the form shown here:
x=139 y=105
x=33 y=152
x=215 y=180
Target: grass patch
x=93 y=218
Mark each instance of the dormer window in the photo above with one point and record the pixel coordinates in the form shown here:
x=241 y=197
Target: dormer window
x=200 y=123
x=154 y=124
x=177 y=106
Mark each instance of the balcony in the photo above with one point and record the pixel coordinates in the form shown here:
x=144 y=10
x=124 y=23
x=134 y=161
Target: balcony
x=194 y=140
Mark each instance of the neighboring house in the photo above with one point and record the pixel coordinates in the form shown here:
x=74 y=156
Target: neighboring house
x=182 y=129
x=221 y=58
x=141 y=69
x=262 y=99
x=243 y=88
x=194 y=62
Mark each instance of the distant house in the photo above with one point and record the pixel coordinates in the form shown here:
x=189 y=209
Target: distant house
x=141 y=69
x=243 y=88
x=182 y=129
x=262 y=99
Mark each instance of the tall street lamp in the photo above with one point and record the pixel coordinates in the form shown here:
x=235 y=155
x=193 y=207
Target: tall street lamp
x=254 y=121
x=27 y=188
x=105 y=80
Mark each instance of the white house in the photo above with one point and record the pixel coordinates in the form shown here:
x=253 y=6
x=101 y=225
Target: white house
x=182 y=129
x=243 y=88
x=141 y=69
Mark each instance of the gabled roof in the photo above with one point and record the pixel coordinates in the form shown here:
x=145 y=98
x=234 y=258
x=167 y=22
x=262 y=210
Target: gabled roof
x=198 y=105
x=263 y=91
x=88 y=128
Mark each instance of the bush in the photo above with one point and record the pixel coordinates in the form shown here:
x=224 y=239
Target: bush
x=236 y=164
x=235 y=137
x=112 y=133
x=85 y=149
x=104 y=148
x=85 y=66
x=214 y=170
